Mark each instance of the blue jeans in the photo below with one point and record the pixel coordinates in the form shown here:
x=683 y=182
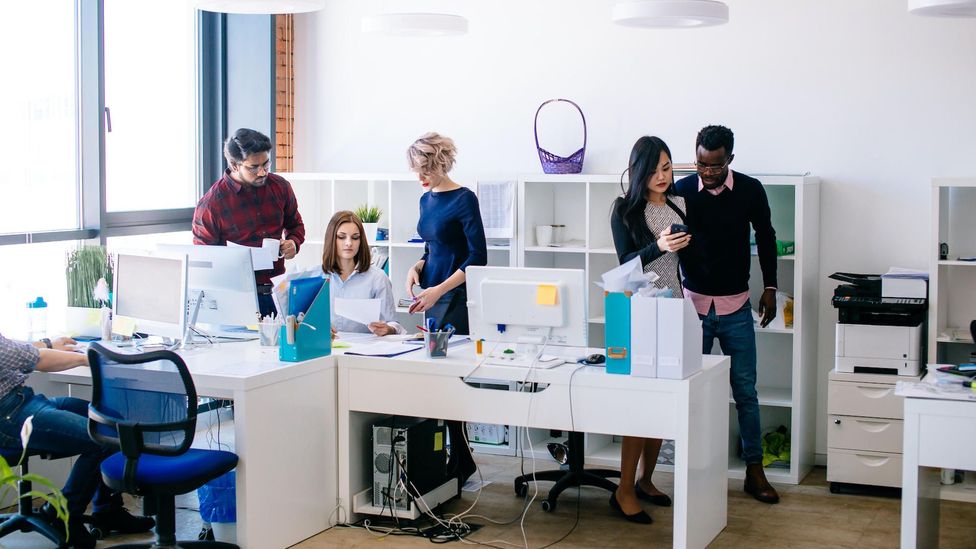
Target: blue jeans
x=737 y=336
x=60 y=426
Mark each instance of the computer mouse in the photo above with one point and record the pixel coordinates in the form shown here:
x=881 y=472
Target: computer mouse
x=595 y=359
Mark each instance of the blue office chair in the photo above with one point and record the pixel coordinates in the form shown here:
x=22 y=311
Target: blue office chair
x=145 y=405
x=26 y=518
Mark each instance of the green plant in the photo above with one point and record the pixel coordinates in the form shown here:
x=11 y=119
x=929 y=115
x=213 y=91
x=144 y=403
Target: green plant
x=10 y=481
x=84 y=267
x=369 y=214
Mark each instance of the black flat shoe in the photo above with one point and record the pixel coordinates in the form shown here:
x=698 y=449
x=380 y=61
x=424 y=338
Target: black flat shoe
x=661 y=500
x=640 y=517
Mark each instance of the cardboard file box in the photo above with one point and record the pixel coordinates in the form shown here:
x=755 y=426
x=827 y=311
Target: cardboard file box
x=663 y=338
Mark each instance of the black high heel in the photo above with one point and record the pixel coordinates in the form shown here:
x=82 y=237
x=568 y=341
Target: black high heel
x=640 y=517
x=662 y=500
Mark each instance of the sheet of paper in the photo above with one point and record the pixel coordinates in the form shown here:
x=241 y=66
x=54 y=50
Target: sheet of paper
x=262 y=258
x=362 y=311
x=381 y=348
x=496 y=200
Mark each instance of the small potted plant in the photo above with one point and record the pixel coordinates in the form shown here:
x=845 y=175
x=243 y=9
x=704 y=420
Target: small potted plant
x=85 y=266
x=370 y=216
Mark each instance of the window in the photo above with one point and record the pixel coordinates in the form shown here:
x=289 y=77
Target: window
x=150 y=94
x=38 y=114
x=33 y=270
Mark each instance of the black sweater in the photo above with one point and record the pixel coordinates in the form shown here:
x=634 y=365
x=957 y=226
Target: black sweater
x=719 y=227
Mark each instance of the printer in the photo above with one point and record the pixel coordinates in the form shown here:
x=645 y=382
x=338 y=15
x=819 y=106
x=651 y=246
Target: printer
x=876 y=334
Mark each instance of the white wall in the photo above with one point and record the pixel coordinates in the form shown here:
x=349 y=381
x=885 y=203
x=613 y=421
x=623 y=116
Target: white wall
x=871 y=99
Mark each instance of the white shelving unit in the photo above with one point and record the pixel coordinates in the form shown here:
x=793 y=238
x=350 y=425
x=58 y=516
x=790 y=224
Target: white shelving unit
x=787 y=356
x=320 y=195
x=952 y=301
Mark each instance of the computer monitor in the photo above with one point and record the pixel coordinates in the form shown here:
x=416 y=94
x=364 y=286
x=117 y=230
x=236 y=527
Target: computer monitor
x=225 y=276
x=526 y=305
x=150 y=290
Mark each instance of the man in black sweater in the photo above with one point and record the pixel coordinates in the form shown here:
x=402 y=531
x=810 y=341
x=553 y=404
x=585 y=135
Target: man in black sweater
x=722 y=204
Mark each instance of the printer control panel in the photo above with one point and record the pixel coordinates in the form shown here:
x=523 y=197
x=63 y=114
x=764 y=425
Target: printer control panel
x=871 y=301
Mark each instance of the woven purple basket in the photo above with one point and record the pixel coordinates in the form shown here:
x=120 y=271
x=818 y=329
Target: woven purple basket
x=552 y=163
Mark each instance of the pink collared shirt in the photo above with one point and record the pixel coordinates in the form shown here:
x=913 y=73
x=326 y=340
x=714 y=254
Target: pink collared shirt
x=724 y=304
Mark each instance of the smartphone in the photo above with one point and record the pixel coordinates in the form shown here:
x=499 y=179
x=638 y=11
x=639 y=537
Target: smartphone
x=679 y=228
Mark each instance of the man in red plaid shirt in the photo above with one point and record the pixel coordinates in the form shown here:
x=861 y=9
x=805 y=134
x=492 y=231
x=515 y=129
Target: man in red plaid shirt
x=249 y=204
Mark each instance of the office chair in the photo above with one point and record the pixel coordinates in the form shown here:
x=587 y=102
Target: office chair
x=575 y=476
x=145 y=405
x=26 y=518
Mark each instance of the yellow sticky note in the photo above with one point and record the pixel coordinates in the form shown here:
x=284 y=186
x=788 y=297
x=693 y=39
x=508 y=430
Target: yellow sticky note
x=340 y=345
x=123 y=326
x=438 y=441
x=546 y=294
x=94 y=317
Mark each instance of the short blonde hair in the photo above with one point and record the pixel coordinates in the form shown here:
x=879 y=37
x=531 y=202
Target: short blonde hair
x=432 y=153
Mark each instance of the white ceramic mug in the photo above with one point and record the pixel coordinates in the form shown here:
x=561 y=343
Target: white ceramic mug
x=543 y=235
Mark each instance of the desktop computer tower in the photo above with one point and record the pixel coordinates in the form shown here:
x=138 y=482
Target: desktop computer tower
x=407 y=449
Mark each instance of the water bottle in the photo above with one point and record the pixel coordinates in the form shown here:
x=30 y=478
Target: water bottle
x=36 y=319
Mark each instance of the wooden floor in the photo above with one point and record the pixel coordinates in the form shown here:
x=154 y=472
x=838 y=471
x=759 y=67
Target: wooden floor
x=808 y=516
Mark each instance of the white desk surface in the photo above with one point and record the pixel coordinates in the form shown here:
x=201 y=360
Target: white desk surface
x=939 y=433
x=222 y=368
x=692 y=411
x=284 y=434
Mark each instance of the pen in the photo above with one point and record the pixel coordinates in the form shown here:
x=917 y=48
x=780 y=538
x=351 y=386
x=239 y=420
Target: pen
x=970 y=384
x=431 y=324
x=421 y=328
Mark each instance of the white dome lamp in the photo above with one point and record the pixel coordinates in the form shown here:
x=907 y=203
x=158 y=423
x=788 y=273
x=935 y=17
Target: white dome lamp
x=671 y=13
x=256 y=7
x=415 y=24
x=943 y=8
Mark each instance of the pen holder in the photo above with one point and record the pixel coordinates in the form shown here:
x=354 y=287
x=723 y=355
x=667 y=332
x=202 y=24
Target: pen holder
x=268 y=333
x=436 y=343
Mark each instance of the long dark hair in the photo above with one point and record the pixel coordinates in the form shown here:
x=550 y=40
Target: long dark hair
x=644 y=158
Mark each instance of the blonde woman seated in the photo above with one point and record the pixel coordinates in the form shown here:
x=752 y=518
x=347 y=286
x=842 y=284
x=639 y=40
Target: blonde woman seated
x=346 y=260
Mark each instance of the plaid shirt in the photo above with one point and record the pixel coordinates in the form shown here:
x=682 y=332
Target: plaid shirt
x=245 y=215
x=17 y=361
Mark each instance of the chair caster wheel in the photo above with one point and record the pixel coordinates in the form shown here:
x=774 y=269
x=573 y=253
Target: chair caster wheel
x=548 y=506
x=521 y=489
x=97 y=532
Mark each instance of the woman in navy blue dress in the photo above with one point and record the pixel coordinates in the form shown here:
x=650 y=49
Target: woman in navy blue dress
x=454 y=236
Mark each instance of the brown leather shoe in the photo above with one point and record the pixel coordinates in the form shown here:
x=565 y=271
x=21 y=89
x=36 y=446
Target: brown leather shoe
x=757 y=485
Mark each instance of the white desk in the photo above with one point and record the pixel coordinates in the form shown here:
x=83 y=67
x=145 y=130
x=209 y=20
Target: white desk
x=694 y=412
x=284 y=432
x=938 y=433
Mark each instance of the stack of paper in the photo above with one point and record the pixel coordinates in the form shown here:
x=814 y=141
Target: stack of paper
x=629 y=277
x=901 y=282
x=281 y=283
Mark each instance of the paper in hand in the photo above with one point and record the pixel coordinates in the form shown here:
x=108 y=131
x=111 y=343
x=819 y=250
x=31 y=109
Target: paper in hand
x=362 y=311
x=262 y=258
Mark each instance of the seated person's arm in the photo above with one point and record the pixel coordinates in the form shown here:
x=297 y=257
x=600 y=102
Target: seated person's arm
x=56 y=361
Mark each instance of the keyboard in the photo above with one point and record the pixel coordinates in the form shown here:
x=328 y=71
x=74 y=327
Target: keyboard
x=544 y=362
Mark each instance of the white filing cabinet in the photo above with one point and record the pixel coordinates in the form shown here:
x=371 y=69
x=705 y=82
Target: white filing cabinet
x=864 y=429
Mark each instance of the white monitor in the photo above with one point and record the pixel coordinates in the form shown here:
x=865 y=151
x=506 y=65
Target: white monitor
x=150 y=290
x=525 y=305
x=225 y=276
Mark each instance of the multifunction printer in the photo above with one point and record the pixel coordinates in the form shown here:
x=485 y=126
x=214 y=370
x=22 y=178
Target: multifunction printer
x=875 y=334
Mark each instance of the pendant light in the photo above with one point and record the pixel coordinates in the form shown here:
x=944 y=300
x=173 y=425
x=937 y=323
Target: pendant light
x=415 y=24
x=670 y=13
x=255 y=7
x=943 y=8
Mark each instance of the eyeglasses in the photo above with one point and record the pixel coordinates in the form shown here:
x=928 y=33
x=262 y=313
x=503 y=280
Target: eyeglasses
x=712 y=168
x=257 y=169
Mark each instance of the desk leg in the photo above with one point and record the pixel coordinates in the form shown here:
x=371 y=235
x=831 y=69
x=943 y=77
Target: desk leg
x=286 y=478
x=701 y=464
x=920 y=490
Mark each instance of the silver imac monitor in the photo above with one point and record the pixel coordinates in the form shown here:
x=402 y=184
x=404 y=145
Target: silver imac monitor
x=150 y=290
x=527 y=307
x=225 y=277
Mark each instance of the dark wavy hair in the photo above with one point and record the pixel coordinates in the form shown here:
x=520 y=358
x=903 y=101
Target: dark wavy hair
x=644 y=158
x=244 y=143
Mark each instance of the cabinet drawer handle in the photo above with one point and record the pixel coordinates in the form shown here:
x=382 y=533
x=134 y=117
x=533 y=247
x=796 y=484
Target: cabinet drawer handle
x=875 y=392
x=872 y=461
x=874 y=426
x=836 y=422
